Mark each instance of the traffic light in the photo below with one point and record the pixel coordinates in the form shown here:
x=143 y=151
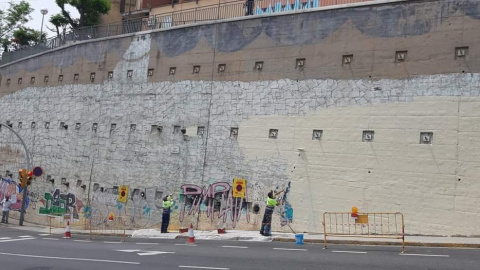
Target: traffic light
x=29 y=178
x=22 y=177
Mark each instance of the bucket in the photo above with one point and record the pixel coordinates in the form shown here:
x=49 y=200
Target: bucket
x=299 y=238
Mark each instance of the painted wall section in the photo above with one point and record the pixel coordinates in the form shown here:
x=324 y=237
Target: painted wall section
x=125 y=129
x=393 y=173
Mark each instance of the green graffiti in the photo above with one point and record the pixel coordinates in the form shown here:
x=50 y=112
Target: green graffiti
x=57 y=208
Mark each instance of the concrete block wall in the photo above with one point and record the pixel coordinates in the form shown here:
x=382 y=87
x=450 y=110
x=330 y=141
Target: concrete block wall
x=435 y=185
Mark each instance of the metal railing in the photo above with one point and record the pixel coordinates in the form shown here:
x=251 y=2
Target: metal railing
x=367 y=225
x=220 y=11
x=114 y=226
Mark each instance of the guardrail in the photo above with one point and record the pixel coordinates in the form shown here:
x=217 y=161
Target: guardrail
x=225 y=10
x=367 y=225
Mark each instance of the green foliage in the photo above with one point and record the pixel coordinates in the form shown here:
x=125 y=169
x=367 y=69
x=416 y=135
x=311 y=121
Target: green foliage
x=90 y=11
x=12 y=20
x=24 y=36
x=59 y=21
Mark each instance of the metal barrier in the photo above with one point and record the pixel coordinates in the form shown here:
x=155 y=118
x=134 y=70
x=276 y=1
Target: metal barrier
x=367 y=225
x=55 y=222
x=111 y=226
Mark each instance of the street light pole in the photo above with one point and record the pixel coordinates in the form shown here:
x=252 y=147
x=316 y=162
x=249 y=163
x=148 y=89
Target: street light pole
x=44 y=12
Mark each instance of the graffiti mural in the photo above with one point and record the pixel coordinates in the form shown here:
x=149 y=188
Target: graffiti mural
x=286 y=209
x=58 y=204
x=141 y=207
x=9 y=188
x=216 y=197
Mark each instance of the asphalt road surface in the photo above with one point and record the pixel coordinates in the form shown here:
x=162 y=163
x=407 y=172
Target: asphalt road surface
x=24 y=250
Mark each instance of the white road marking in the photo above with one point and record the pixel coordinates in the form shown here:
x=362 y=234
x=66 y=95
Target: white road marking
x=188 y=245
x=107 y=242
x=146 y=243
x=233 y=247
x=66 y=258
x=85 y=241
x=5 y=238
x=25 y=236
x=55 y=239
x=293 y=249
x=129 y=250
x=147 y=253
x=13 y=240
x=424 y=255
x=44 y=234
x=351 y=252
x=202 y=267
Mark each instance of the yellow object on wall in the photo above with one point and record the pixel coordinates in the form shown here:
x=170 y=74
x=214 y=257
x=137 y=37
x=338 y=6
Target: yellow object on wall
x=122 y=194
x=239 y=187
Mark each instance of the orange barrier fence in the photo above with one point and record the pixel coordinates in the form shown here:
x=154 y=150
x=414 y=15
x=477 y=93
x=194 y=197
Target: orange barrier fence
x=55 y=222
x=366 y=225
x=114 y=226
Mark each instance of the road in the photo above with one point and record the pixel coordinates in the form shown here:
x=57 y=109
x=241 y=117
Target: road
x=24 y=250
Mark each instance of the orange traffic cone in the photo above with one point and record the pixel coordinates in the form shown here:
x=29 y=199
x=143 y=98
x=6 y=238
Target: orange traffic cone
x=191 y=237
x=67 y=232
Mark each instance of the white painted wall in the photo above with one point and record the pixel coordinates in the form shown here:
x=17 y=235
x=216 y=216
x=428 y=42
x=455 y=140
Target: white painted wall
x=436 y=186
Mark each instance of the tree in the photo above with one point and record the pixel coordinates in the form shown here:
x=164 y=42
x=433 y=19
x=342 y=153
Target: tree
x=24 y=36
x=59 y=21
x=90 y=11
x=13 y=19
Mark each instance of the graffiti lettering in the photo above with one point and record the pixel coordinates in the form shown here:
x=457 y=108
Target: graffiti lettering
x=217 y=196
x=58 y=204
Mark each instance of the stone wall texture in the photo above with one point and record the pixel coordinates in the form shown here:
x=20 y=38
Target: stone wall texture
x=124 y=124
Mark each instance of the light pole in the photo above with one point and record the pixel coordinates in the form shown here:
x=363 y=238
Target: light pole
x=44 y=12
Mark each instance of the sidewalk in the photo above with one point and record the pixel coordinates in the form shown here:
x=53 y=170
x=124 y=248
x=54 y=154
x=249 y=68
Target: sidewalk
x=425 y=241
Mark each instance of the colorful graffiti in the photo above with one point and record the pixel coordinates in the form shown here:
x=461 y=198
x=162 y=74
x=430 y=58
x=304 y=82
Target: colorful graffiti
x=216 y=197
x=286 y=209
x=58 y=204
x=9 y=188
x=141 y=206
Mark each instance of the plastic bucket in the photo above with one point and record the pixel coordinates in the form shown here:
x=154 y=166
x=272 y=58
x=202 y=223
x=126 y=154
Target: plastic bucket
x=299 y=239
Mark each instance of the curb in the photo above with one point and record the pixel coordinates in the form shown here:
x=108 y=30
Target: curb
x=102 y=234
x=355 y=242
x=238 y=238
x=381 y=243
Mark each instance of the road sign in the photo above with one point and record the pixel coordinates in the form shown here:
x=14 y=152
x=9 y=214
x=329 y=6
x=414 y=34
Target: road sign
x=239 y=187
x=122 y=194
x=37 y=171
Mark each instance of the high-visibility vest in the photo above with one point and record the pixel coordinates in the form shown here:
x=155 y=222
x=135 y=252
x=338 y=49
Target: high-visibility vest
x=271 y=202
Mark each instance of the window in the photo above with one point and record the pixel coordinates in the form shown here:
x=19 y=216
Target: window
x=273 y=133
x=426 y=137
x=400 y=56
x=368 y=135
x=317 y=134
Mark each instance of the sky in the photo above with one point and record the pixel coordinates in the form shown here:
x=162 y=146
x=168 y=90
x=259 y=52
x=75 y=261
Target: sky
x=36 y=20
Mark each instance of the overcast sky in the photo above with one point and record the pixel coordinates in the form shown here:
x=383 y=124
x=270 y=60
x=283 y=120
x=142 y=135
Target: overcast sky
x=37 y=5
